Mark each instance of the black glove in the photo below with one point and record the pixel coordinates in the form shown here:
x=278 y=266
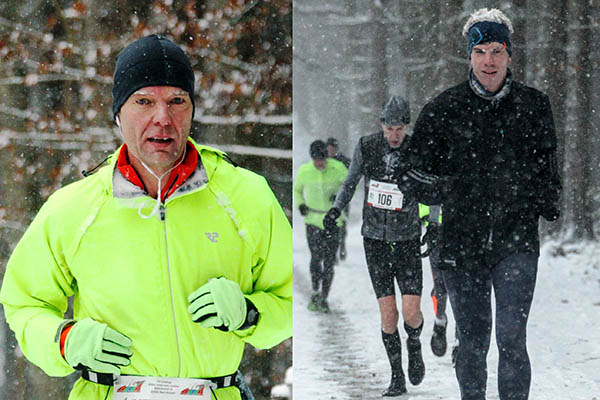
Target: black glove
x=332 y=198
x=548 y=208
x=303 y=209
x=551 y=213
x=430 y=238
x=330 y=219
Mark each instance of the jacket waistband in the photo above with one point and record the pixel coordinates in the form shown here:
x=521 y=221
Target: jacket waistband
x=108 y=379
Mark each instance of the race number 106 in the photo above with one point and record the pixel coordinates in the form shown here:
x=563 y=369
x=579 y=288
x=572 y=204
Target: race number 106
x=384 y=195
x=384 y=199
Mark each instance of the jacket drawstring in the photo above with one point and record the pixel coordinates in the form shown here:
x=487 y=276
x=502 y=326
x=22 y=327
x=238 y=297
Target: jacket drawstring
x=159 y=193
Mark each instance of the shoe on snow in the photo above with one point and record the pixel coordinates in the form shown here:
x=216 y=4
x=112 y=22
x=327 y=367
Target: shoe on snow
x=397 y=386
x=438 y=340
x=315 y=302
x=323 y=305
x=416 y=366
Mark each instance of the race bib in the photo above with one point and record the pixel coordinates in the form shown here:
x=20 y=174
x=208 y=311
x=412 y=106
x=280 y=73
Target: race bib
x=384 y=195
x=130 y=387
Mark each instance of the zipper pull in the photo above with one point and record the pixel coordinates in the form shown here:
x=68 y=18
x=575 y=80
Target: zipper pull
x=162 y=212
x=490 y=239
x=490 y=242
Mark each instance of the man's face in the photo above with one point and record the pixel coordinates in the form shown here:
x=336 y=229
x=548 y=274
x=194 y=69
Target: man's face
x=320 y=163
x=155 y=123
x=394 y=134
x=331 y=150
x=490 y=63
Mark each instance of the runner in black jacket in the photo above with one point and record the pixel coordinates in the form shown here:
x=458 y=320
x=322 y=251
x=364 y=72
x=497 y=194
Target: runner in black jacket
x=333 y=152
x=491 y=142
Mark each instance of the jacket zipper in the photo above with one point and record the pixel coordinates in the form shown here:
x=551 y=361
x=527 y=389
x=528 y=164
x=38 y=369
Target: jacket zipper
x=162 y=211
x=490 y=242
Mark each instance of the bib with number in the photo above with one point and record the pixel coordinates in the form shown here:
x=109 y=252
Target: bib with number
x=384 y=195
x=130 y=387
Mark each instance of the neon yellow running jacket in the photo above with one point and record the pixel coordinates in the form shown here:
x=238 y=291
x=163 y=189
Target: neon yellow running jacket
x=134 y=274
x=317 y=189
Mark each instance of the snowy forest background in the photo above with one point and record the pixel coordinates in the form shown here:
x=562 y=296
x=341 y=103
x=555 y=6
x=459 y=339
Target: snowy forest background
x=56 y=65
x=350 y=55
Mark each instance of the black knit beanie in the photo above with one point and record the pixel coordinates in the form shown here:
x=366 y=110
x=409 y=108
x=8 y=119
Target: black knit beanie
x=151 y=61
x=318 y=150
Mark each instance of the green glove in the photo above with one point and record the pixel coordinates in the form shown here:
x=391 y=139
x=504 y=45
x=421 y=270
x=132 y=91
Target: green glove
x=219 y=304
x=91 y=344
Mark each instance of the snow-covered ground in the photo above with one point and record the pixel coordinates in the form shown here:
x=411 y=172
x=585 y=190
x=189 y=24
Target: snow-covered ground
x=340 y=355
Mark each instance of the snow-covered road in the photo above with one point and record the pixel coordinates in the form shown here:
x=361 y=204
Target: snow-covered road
x=340 y=355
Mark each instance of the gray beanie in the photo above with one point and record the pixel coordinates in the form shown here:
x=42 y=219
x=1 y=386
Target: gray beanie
x=395 y=112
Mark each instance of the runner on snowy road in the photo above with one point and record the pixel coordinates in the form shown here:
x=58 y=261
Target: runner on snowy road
x=315 y=187
x=491 y=142
x=391 y=235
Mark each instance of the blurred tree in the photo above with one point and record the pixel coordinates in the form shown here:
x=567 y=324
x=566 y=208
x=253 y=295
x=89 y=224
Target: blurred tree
x=579 y=139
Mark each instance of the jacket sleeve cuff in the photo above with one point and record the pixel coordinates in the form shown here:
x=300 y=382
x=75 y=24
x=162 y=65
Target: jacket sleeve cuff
x=252 y=316
x=63 y=331
x=274 y=323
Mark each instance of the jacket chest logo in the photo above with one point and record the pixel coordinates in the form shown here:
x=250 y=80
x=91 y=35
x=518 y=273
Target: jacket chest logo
x=212 y=236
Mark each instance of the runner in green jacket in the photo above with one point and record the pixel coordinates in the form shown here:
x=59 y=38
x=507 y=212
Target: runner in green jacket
x=315 y=187
x=174 y=257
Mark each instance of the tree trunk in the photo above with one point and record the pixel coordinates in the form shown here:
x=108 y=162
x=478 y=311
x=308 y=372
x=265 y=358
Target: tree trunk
x=582 y=192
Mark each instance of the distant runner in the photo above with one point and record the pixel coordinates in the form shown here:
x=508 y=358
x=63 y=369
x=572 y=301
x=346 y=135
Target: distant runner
x=391 y=233
x=439 y=295
x=333 y=152
x=315 y=187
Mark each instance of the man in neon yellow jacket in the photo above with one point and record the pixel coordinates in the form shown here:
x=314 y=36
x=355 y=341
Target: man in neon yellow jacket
x=174 y=257
x=315 y=187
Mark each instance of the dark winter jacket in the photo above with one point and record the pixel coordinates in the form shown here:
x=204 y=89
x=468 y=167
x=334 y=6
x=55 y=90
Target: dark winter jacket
x=343 y=159
x=496 y=161
x=375 y=160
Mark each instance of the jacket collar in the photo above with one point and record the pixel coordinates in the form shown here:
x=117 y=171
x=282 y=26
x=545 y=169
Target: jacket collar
x=122 y=188
x=483 y=93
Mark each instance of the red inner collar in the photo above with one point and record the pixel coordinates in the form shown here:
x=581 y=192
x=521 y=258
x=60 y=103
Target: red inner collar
x=177 y=177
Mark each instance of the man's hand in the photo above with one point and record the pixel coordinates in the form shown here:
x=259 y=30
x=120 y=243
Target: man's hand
x=219 y=304
x=303 y=208
x=96 y=346
x=430 y=238
x=330 y=219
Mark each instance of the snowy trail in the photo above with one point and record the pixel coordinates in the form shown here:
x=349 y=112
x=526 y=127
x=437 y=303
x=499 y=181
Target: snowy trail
x=340 y=355
x=340 y=360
